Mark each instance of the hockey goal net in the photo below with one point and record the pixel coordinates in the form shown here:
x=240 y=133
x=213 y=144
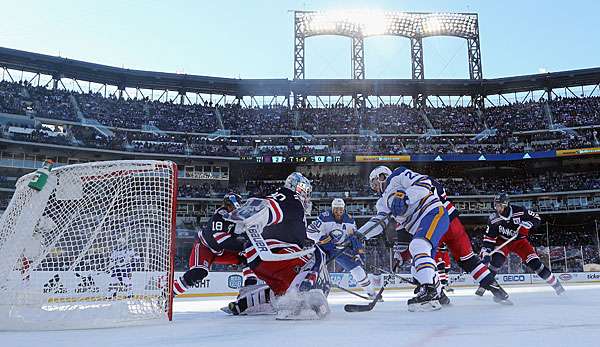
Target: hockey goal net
x=93 y=248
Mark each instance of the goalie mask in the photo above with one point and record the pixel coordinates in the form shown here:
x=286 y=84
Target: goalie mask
x=299 y=184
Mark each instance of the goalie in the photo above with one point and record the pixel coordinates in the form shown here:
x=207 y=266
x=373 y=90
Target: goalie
x=297 y=280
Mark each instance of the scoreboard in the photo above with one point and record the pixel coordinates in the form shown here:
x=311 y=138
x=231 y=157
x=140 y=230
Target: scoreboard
x=298 y=159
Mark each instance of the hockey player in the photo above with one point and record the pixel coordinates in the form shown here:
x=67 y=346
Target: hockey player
x=295 y=286
x=512 y=221
x=216 y=244
x=458 y=242
x=407 y=196
x=334 y=230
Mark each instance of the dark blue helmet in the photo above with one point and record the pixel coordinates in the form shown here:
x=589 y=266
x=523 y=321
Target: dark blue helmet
x=232 y=200
x=501 y=199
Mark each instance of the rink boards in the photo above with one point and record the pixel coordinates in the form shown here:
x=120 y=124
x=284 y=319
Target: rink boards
x=71 y=287
x=228 y=283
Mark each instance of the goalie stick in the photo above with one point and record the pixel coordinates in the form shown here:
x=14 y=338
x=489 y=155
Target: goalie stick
x=371 y=305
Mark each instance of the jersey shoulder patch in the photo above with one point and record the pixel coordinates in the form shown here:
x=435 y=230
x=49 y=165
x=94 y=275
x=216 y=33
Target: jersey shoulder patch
x=494 y=218
x=326 y=216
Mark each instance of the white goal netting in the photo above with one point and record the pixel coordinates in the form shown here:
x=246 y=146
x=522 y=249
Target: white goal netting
x=93 y=248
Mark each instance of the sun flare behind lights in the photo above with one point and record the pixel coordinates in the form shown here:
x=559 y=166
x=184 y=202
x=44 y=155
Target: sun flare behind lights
x=376 y=22
x=369 y=22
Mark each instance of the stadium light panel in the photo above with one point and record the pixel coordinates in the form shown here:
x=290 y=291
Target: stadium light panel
x=432 y=26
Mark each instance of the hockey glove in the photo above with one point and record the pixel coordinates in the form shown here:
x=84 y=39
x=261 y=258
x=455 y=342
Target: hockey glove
x=485 y=256
x=523 y=231
x=399 y=248
x=360 y=257
x=399 y=203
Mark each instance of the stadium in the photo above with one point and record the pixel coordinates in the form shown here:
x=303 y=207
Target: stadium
x=533 y=137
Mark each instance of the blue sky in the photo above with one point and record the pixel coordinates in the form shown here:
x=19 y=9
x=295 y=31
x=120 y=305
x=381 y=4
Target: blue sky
x=254 y=39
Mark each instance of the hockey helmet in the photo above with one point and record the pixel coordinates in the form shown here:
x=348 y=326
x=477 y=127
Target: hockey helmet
x=231 y=201
x=300 y=185
x=501 y=202
x=378 y=177
x=337 y=207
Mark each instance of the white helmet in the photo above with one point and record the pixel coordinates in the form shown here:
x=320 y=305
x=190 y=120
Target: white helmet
x=378 y=184
x=338 y=202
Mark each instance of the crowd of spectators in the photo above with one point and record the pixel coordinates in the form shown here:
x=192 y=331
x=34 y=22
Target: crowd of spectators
x=356 y=185
x=572 y=112
x=429 y=130
x=24 y=98
x=523 y=183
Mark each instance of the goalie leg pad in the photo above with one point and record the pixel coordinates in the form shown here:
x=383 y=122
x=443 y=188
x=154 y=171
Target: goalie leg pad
x=253 y=300
x=306 y=297
x=295 y=305
x=249 y=277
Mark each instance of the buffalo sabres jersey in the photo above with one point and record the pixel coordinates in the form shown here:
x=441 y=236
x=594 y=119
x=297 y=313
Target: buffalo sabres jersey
x=419 y=191
x=506 y=227
x=320 y=229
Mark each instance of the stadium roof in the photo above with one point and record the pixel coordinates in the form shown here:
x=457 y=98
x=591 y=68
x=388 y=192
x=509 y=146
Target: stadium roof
x=121 y=77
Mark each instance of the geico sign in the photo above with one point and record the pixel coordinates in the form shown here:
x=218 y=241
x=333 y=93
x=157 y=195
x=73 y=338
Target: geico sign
x=513 y=278
x=593 y=277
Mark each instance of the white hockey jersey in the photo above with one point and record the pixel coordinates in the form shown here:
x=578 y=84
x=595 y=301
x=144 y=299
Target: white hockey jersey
x=322 y=227
x=421 y=200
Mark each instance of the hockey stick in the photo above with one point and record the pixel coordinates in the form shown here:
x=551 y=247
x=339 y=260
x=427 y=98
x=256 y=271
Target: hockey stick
x=350 y=292
x=383 y=271
x=371 y=305
x=497 y=249
x=481 y=290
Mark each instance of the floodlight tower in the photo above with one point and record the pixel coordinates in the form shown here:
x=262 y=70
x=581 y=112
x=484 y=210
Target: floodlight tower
x=357 y=25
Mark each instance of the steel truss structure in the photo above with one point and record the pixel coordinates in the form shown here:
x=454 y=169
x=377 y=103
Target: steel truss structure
x=358 y=25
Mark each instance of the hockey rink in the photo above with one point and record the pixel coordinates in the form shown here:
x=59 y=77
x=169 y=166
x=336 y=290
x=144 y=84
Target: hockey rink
x=538 y=318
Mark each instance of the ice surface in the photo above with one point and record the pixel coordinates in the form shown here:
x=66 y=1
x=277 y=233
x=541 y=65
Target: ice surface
x=538 y=318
